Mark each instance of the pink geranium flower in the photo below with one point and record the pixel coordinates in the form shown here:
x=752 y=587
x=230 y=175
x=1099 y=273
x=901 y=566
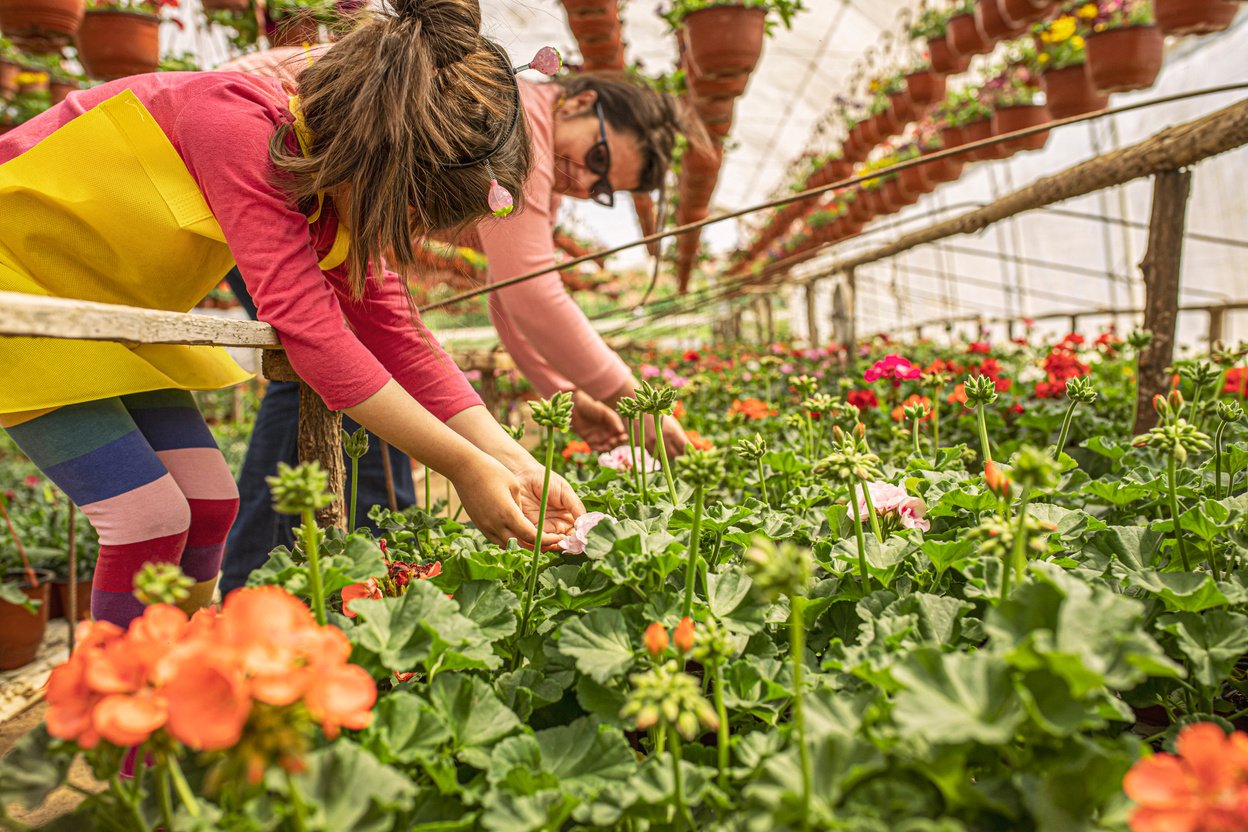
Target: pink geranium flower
x=895 y=507
x=621 y=459
x=895 y=368
x=649 y=371
x=574 y=544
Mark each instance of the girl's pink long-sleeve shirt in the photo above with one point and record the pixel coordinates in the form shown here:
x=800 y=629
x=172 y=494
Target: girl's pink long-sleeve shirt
x=220 y=125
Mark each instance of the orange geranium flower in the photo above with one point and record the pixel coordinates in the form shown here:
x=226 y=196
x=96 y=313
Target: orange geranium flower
x=129 y=719
x=899 y=412
x=958 y=396
x=679 y=411
x=751 y=408
x=1203 y=789
x=208 y=703
x=655 y=639
x=574 y=447
x=368 y=589
x=683 y=635
x=696 y=440
x=342 y=698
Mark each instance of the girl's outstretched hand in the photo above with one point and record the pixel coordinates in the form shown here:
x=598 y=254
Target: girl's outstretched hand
x=562 y=504
x=492 y=496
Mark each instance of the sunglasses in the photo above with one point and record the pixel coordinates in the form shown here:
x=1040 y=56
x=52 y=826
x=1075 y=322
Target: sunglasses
x=598 y=161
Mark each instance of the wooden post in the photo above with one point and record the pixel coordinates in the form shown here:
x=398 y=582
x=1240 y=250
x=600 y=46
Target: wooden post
x=769 y=324
x=850 y=313
x=812 y=320
x=320 y=436
x=489 y=391
x=1161 y=267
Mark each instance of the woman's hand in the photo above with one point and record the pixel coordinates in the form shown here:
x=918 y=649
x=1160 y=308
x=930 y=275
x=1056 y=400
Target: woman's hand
x=562 y=504
x=494 y=499
x=598 y=424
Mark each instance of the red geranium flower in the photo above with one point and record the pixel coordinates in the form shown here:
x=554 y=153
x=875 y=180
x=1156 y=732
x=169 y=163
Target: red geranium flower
x=862 y=399
x=895 y=368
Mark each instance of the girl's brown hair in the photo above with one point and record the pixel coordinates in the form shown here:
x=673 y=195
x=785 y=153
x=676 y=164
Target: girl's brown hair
x=394 y=107
x=652 y=117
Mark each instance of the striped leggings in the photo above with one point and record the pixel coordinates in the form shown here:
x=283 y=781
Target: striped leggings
x=146 y=471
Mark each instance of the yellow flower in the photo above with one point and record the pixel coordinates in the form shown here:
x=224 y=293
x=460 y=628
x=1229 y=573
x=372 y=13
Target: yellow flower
x=1046 y=37
x=24 y=78
x=1063 y=28
x=1078 y=42
x=1087 y=11
x=1043 y=58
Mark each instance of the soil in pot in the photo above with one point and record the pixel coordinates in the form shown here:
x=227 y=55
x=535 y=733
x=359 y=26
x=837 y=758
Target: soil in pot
x=1010 y=119
x=945 y=60
x=725 y=40
x=40 y=25
x=1194 y=17
x=113 y=44
x=965 y=37
x=994 y=24
x=1069 y=92
x=21 y=632
x=1125 y=59
x=926 y=88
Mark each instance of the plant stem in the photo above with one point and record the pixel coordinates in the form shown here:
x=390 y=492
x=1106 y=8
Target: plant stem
x=797 y=645
x=683 y=817
x=645 y=489
x=1135 y=395
x=355 y=487
x=132 y=807
x=30 y=573
x=162 y=794
x=695 y=540
x=632 y=455
x=914 y=434
x=983 y=433
x=1191 y=414
x=661 y=447
x=1020 y=538
x=1061 y=437
x=531 y=584
x=312 y=550
x=183 y=788
x=862 y=546
x=1171 y=476
x=719 y=541
x=721 y=711
x=875 y=521
x=1217 y=460
x=762 y=483
x=936 y=425
x=429 y=492
x=296 y=803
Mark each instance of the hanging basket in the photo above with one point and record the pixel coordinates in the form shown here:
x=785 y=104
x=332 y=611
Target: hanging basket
x=226 y=5
x=40 y=25
x=1194 y=17
x=1130 y=58
x=21 y=632
x=903 y=108
x=915 y=181
x=887 y=125
x=596 y=26
x=728 y=86
x=1069 y=92
x=1010 y=119
x=940 y=171
x=926 y=88
x=588 y=6
x=978 y=131
x=945 y=61
x=8 y=78
x=965 y=38
x=994 y=24
x=725 y=40
x=114 y=43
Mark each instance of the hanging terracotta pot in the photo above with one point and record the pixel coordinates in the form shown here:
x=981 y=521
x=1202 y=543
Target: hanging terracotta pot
x=965 y=37
x=600 y=49
x=8 y=78
x=226 y=5
x=1125 y=59
x=295 y=30
x=860 y=210
x=926 y=87
x=899 y=194
x=40 y=25
x=914 y=181
x=1011 y=119
x=945 y=60
x=588 y=6
x=595 y=26
x=725 y=40
x=1022 y=12
x=869 y=128
x=978 y=131
x=887 y=125
x=953 y=137
x=59 y=90
x=994 y=24
x=1194 y=17
x=21 y=632
x=713 y=110
x=1069 y=92
x=114 y=44
x=903 y=108
x=729 y=86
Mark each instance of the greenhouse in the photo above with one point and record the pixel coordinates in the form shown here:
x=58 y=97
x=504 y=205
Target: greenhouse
x=567 y=415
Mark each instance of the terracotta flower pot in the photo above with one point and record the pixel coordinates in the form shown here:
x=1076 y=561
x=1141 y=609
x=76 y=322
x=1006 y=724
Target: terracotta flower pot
x=945 y=60
x=59 y=600
x=915 y=180
x=994 y=24
x=8 y=78
x=21 y=632
x=978 y=131
x=595 y=26
x=1023 y=12
x=860 y=211
x=712 y=110
x=953 y=137
x=587 y=6
x=926 y=88
x=1125 y=59
x=40 y=25
x=725 y=40
x=226 y=5
x=114 y=44
x=869 y=131
x=965 y=37
x=1010 y=119
x=1069 y=92
x=900 y=193
x=600 y=49
x=1194 y=17
x=887 y=124
x=729 y=86
x=295 y=30
x=903 y=108
x=60 y=90
x=943 y=170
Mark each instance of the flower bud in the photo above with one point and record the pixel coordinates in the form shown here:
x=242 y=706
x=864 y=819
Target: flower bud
x=1176 y=401
x=655 y=639
x=682 y=636
x=1161 y=406
x=998 y=483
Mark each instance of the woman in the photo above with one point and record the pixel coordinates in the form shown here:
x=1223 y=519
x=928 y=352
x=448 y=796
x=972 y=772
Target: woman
x=145 y=191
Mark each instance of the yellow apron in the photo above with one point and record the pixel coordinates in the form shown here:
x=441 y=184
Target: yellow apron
x=105 y=210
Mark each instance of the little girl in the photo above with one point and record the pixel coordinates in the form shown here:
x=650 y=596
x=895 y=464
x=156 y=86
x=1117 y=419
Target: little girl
x=144 y=191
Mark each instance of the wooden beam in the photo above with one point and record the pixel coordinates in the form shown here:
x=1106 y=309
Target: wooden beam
x=1162 y=265
x=812 y=320
x=1174 y=148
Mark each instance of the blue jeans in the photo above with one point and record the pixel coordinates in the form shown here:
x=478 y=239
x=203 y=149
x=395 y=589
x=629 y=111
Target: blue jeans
x=259 y=529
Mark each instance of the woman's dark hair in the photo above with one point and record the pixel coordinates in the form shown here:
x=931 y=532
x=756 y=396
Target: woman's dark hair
x=393 y=108
x=652 y=117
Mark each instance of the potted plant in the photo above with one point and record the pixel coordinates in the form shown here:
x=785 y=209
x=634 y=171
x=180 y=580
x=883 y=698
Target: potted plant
x=121 y=37
x=297 y=22
x=1061 y=56
x=22 y=109
x=931 y=141
x=1023 y=12
x=914 y=179
x=1125 y=47
x=10 y=66
x=926 y=87
x=183 y=62
x=725 y=37
x=1016 y=104
x=40 y=514
x=1194 y=17
x=965 y=36
x=993 y=22
x=933 y=27
x=966 y=110
x=24 y=593
x=40 y=25
x=899 y=100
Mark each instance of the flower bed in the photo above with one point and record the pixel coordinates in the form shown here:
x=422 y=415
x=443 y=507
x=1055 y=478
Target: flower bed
x=947 y=590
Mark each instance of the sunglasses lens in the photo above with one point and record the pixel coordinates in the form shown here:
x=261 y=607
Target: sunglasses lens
x=602 y=194
x=597 y=159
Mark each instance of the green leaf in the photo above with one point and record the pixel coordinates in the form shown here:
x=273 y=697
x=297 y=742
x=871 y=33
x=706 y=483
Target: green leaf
x=507 y=812
x=945 y=554
x=732 y=602
x=491 y=607
x=1116 y=493
x=1137 y=547
x=345 y=787
x=599 y=642
x=1108 y=448
x=956 y=698
x=1182 y=591
x=35 y=766
x=472 y=713
x=585 y=757
x=1070 y=523
x=1212 y=642
x=421 y=628
x=405 y=729
x=1050 y=703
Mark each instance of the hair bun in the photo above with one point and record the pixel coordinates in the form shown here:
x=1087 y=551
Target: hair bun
x=451 y=29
